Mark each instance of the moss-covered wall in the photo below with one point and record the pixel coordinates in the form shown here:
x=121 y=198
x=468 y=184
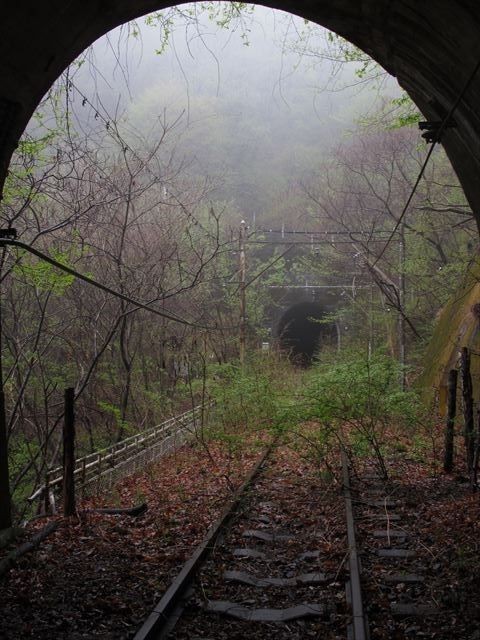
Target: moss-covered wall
x=458 y=326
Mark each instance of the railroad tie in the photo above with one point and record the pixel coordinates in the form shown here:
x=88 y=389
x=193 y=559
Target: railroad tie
x=382 y=504
x=391 y=517
x=263 y=519
x=396 y=553
x=254 y=554
x=267 y=537
x=407 y=609
x=390 y=533
x=249 y=553
x=234 y=610
x=248 y=578
x=404 y=578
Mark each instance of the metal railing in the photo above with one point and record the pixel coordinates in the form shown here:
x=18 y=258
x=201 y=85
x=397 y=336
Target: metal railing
x=101 y=469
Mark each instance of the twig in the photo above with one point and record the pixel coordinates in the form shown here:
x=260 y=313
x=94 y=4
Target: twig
x=7 y=563
x=134 y=512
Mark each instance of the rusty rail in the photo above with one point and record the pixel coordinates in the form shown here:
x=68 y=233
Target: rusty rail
x=166 y=613
x=359 y=627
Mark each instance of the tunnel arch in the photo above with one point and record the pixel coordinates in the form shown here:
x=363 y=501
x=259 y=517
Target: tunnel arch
x=301 y=331
x=431 y=51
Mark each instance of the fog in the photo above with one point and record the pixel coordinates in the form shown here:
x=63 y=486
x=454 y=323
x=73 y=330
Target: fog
x=245 y=107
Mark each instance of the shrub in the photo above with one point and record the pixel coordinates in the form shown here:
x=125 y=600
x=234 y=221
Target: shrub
x=353 y=400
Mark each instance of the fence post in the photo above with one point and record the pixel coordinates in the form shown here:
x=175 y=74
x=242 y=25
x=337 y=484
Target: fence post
x=451 y=411
x=69 y=454
x=467 y=393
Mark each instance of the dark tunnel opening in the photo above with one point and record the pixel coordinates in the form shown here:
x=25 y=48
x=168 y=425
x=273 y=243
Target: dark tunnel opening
x=301 y=332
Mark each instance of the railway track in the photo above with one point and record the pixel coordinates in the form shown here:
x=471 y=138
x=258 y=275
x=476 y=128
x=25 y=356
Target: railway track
x=284 y=561
x=281 y=561
x=400 y=585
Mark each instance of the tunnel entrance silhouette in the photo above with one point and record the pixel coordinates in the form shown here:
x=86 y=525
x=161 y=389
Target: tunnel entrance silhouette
x=302 y=331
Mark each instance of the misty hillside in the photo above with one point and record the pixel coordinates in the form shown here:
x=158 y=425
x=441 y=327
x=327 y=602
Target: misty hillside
x=248 y=109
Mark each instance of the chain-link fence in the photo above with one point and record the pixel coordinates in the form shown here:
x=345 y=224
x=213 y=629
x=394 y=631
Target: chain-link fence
x=101 y=469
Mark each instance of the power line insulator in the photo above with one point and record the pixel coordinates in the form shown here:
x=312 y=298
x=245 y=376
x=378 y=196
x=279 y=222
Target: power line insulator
x=431 y=129
x=8 y=233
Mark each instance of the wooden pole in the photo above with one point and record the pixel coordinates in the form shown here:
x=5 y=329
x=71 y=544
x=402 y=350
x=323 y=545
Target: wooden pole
x=69 y=454
x=450 y=426
x=467 y=394
x=401 y=315
x=243 y=306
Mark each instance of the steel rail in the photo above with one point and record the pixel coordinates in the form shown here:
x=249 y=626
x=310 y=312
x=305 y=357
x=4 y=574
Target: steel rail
x=359 y=626
x=159 y=622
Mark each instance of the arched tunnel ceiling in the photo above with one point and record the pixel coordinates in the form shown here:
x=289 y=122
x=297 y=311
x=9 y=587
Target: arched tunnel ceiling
x=431 y=47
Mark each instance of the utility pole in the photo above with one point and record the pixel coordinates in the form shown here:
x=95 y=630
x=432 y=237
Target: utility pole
x=242 y=288
x=401 y=300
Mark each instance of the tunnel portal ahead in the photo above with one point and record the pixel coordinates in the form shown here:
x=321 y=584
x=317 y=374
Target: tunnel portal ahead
x=302 y=330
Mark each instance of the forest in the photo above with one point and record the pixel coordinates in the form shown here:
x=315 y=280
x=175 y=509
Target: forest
x=136 y=172
x=228 y=242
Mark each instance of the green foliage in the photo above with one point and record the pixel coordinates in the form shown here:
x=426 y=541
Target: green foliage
x=406 y=113
x=250 y=398
x=36 y=149
x=225 y=15
x=122 y=425
x=44 y=276
x=358 y=388
x=348 y=52
x=21 y=452
x=398 y=112
x=354 y=399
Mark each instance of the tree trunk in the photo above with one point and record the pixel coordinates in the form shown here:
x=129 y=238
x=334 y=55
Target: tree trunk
x=69 y=455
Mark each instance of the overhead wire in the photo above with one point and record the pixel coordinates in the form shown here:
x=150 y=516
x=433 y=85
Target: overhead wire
x=321 y=233
x=173 y=317
x=117 y=294
x=269 y=265
x=437 y=137
x=444 y=123
x=308 y=243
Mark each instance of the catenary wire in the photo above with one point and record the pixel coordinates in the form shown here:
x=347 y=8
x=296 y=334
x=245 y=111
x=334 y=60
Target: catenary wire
x=140 y=305
x=435 y=141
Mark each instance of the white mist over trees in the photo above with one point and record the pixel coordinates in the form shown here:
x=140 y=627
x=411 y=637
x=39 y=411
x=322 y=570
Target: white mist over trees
x=248 y=107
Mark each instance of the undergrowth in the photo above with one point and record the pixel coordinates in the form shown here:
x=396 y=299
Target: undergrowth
x=352 y=400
